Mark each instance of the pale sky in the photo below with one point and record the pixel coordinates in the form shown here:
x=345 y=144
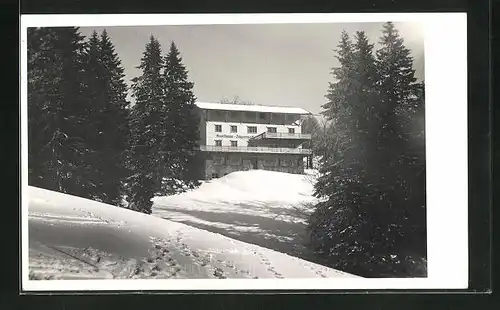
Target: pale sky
x=267 y=64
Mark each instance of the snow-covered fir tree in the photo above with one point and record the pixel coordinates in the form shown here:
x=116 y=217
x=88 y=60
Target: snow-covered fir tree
x=395 y=67
x=365 y=224
x=148 y=132
x=331 y=185
x=116 y=128
x=182 y=158
x=56 y=110
x=340 y=97
x=107 y=129
x=404 y=98
x=340 y=222
x=95 y=101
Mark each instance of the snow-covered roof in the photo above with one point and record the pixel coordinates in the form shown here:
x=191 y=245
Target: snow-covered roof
x=250 y=108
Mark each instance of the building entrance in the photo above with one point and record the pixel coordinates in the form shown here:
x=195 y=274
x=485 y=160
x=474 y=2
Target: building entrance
x=254 y=163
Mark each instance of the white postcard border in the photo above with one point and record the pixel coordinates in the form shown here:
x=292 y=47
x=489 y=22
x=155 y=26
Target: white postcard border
x=446 y=147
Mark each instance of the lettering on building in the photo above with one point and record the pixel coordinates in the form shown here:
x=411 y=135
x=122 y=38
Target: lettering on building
x=234 y=136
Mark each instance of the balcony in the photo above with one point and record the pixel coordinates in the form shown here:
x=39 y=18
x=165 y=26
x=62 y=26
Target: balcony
x=249 y=149
x=283 y=135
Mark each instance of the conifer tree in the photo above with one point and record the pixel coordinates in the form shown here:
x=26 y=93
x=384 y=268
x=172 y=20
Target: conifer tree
x=95 y=101
x=395 y=67
x=38 y=41
x=107 y=129
x=114 y=126
x=181 y=161
x=348 y=227
x=404 y=99
x=148 y=130
x=331 y=211
x=372 y=213
x=56 y=111
x=341 y=96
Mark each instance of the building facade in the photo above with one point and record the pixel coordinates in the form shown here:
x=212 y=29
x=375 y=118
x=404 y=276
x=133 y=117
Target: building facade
x=238 y=137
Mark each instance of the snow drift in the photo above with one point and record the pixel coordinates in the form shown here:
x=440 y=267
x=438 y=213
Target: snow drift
x=255 y=192
x=76 y=238
x=265 y=208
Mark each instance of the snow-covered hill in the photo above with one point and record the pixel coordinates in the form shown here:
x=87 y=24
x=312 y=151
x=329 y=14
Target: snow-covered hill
x=255 y=192
x=260 y=207
x=76 y=238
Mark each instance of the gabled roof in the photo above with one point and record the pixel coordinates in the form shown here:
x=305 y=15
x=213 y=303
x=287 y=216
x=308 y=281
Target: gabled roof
x=250 y=108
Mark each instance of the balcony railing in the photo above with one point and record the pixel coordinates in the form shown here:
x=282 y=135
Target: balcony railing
x=249 y=149
x=283 y=135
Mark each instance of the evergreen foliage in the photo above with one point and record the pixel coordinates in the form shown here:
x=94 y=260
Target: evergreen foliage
x=115 y=119
x=57 y=112
x=85 y=140
x=107 y=129
x=182 y=123
x=148 y=130
x=164 y=131
x=76 y=114
x=371 y=220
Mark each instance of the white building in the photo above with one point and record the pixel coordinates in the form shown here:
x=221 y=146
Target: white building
x=242 y=137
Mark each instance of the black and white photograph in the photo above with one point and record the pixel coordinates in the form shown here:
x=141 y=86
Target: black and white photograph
x=221 y=151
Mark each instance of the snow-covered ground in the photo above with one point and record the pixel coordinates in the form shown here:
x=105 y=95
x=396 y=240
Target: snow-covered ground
x=76 y=238
x=260 y=207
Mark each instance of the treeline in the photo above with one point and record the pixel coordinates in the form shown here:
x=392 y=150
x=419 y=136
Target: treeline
x=86 y=139
x=371 y=219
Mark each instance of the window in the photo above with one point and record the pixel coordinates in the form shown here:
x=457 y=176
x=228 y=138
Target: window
x=271 y=129
x=218 y=128
x=286 y=163
x=269 y=162
x=234 y=160
x=234 y=129
x=291 y=130
x=234 y=143
x=218 y=160
x=262 y=115
x=252 y=129
x=250 y=115
x=218 y=142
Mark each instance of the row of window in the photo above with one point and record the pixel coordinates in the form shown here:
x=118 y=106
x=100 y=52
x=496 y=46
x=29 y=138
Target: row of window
x=219 y=143
x=251 y=129
x=237 y=160
x=249 y=115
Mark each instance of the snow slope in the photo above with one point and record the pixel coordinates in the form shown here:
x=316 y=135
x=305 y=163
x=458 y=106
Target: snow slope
x=265 y=208
x=76 y=238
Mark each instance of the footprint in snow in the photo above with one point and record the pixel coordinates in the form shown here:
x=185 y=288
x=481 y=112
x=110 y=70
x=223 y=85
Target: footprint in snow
x=219 y=273
x=319 y=273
